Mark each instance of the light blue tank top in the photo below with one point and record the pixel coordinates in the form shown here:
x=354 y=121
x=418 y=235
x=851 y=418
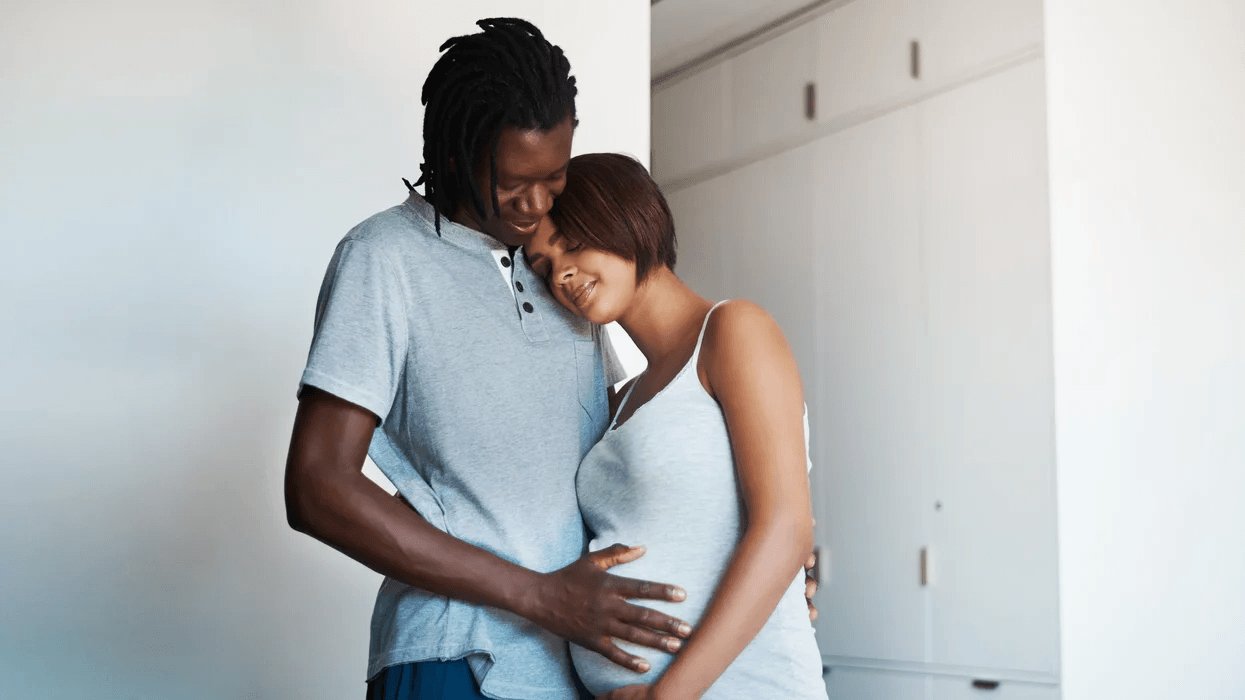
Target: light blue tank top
x=666 y=479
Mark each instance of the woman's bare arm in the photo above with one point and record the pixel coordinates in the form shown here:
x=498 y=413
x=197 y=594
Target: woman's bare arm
x=751 y=372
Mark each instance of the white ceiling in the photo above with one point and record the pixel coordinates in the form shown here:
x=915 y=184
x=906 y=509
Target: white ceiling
x=686 y=29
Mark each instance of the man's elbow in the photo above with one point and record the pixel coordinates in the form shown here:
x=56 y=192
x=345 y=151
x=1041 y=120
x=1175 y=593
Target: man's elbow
x=299 y=504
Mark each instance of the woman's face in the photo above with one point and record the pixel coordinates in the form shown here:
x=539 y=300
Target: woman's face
x=595 y=285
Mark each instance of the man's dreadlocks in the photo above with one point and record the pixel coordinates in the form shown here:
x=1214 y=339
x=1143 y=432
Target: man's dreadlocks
x=507 y=75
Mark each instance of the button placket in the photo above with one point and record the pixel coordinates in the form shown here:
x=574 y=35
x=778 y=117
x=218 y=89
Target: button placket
x=529 y=317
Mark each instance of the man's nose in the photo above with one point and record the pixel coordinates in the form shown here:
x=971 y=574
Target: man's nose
x=537 y=202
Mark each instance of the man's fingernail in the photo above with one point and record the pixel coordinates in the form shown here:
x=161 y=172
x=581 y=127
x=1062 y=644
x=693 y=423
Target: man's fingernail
x=642 y=666
x=678 y=593
x=674 y=644
x=685 y=628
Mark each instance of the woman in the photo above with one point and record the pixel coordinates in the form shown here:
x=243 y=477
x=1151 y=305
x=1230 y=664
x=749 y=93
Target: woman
x=705 y=460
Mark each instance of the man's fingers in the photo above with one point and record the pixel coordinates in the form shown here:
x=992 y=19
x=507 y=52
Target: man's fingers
x=616 y=554
x=648 y=590
x=607 y=648
x=646 y=637
x=640 y=616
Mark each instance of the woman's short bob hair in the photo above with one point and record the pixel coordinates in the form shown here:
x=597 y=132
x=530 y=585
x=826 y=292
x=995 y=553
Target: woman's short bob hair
x=612 y=204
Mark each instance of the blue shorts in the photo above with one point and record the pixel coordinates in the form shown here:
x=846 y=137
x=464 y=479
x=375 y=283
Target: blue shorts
x=432 y=680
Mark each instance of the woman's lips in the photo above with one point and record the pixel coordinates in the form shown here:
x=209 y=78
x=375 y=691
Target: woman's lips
x=580 y=294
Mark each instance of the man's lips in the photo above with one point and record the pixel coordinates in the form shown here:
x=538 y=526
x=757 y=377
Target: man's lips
x=526 y=228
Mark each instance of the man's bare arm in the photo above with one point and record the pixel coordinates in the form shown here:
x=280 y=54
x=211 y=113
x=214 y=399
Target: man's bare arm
x=328 y=497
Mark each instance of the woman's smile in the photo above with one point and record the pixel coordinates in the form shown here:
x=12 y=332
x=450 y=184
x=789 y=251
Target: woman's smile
x=582 y=293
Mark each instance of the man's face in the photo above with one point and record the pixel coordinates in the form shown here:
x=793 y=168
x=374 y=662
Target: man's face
x=531 y=172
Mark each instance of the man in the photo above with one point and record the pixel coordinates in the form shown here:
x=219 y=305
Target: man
x=441 y=355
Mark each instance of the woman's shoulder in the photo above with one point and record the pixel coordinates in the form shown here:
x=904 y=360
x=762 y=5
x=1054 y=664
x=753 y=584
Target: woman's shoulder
x=739 y=334
x=739 y=321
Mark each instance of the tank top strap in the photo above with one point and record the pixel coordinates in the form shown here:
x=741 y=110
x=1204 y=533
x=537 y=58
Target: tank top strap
x=701 y=338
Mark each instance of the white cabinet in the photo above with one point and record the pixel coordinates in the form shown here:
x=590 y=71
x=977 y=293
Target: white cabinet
x=984 y=203
x=700 y=231
x=767 y=91
x=872 y=390
x=906 y=255
x=691 y=123
x=767 y=244
x=863 y=55
x=846 y=683
x=958 y=36
x=963 y=689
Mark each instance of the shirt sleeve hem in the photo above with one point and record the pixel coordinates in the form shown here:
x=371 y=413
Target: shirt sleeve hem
x=345 y=391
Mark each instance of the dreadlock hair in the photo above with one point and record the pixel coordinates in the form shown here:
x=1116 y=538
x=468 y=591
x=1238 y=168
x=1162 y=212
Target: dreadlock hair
x=506 y=75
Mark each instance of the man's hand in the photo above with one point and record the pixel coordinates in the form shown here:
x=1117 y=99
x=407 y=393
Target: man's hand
x=585 y=605
x=630 y=692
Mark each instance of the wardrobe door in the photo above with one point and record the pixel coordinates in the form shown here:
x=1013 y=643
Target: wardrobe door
x=960 y=36
x=768 y=91
x=872 y=387
x=699 y=212
x=691 y=123
x=985 y=216
x=863 y=55
x=964 y=689
x=847 y=683
x=766 y=244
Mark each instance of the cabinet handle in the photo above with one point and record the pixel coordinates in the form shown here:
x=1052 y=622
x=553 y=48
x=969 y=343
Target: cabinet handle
x=914 y=59
x=981 y=684
x=924 y=566
x=810 y=101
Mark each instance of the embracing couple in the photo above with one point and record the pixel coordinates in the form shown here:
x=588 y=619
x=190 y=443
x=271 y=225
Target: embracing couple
x=459 y=343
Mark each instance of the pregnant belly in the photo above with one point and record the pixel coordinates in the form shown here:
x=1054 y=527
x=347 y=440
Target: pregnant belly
x=697 y=573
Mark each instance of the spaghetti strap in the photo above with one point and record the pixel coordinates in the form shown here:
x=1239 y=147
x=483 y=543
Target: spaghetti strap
x=623 y=404
x=700 y=339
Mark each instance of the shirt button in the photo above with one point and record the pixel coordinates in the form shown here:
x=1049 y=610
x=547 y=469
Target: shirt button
x=505 y=262
x=518 y=286
x=527 y=306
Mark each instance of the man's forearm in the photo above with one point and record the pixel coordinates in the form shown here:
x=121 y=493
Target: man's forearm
x=352 y=514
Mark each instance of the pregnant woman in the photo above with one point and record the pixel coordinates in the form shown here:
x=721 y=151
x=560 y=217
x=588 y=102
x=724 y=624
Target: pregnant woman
x=705 y=462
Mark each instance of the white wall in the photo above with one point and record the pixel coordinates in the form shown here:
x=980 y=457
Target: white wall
x=173 y=178
x=1147 y=133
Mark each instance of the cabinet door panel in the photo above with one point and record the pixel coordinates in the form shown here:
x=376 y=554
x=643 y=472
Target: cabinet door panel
x=993 y=593
x=766 y=246
x=767 y=90
x=691 y=123
x=863 y=55
x=960 y=35
x=872 y=384
x=845 y=683
x=698 y=214
x=962 y=689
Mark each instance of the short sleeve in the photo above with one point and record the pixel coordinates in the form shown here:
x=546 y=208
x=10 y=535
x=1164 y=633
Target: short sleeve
x=359 y=348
